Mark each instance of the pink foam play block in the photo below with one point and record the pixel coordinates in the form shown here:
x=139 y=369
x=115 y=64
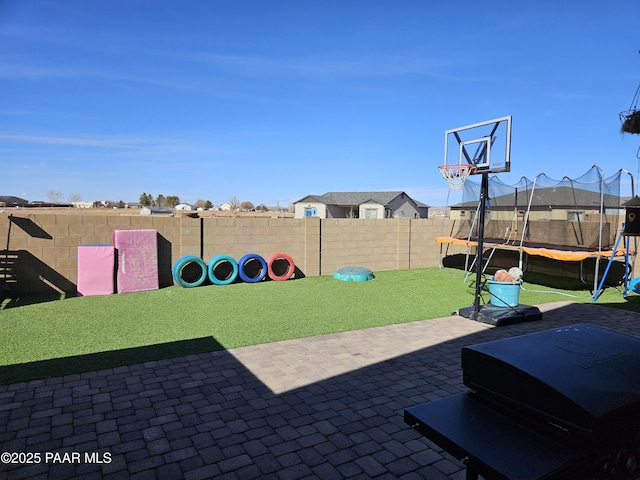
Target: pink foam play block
x=137 y=260
x=96 y=269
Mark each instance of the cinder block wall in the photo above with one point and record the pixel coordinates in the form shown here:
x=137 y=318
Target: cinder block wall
x=374 y=244
x=239 y=236
x=39 y=254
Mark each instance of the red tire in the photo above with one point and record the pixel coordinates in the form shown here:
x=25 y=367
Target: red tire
x=274 y=274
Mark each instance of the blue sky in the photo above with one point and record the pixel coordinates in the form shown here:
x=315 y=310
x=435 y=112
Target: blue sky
x=270 y=100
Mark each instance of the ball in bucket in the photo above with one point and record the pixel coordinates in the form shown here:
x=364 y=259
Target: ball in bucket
x=504 y=287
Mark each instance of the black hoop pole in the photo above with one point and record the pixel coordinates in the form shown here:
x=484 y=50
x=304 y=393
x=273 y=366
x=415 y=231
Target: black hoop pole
x=484 y=191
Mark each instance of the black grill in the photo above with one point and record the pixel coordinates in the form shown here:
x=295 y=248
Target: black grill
x=563 y=403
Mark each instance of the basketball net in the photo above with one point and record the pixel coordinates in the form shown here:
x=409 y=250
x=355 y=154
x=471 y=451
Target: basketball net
x=456 y=174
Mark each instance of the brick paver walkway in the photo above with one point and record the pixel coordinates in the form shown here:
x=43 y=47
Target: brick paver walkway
x=324 y=407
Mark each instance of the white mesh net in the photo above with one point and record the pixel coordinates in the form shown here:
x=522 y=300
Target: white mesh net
x=455 y=174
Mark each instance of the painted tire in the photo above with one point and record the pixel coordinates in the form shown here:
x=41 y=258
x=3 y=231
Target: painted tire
x=184 y=262
x=215 y=261
x=288 y=272
x=242 y=268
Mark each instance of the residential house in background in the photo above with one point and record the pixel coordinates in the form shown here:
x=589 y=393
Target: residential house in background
x=83 y=204
x=183 y=207
x=360 y=205
x=156 y=211
x=11 y=201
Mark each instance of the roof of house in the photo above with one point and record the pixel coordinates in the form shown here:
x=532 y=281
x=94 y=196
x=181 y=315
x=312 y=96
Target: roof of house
x=559 y=197
x=347 y=199
x=11 y=200
x=158 y=209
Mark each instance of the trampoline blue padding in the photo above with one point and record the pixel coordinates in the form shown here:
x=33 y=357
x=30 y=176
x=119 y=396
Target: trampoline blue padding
x=353 y=274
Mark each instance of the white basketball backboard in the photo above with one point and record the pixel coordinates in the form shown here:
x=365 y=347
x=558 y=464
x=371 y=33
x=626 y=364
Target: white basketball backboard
x=486 y=146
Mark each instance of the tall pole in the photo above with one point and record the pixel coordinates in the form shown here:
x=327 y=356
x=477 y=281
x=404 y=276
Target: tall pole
x=484 y=191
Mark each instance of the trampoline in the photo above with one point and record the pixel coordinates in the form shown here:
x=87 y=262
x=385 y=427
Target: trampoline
x=572 y=220
x=568 y=253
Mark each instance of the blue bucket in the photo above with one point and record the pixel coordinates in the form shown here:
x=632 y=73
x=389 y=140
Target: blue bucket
x=504 y=294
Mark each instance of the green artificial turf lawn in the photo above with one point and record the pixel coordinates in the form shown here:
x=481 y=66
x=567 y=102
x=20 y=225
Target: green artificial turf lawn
x=87 y=333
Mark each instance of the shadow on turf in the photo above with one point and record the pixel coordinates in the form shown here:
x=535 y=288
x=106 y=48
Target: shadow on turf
x=20 y=267
x=24 y=372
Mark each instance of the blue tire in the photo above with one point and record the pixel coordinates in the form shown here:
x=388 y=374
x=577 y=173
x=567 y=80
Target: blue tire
x=184 y=262
x=217 y=260
x=242 y=268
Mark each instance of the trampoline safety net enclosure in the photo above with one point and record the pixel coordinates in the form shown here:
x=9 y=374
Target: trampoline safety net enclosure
x=571 y=214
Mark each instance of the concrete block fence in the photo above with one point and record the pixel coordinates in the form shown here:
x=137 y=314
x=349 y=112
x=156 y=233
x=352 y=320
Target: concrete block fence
x=38 y=253
x=38 y=250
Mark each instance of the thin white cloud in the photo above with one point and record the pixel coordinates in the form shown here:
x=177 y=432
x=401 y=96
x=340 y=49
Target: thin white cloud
x=15 y=71
x=118 y=142
x=325 y=65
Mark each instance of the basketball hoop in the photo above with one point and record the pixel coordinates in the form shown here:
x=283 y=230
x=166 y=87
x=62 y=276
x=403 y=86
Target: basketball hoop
x=456 y=174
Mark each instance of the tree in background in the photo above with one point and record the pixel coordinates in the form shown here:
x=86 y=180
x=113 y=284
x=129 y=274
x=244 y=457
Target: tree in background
x=234 y=203
x=171 y=201
x=246 y=206
x=75 y=197
x=54 y=196
x=146 y=200
x=208 y=205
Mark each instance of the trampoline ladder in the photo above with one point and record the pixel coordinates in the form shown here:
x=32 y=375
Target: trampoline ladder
x=485 y=261
x=509 y=236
